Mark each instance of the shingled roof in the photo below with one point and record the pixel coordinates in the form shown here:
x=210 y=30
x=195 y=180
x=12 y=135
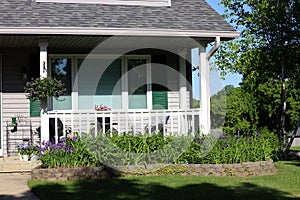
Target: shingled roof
x=182 y=15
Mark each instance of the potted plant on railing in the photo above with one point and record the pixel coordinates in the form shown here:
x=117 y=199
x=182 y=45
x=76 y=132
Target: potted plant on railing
x=41 y=88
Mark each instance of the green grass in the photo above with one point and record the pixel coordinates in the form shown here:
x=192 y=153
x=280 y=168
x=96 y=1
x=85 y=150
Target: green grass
x=284 y=185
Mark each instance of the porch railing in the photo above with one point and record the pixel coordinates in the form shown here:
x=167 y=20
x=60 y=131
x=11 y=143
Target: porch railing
x=95 y=122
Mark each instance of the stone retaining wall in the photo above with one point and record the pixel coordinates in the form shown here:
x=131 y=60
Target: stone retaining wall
x=75 y=173
x=242 y=169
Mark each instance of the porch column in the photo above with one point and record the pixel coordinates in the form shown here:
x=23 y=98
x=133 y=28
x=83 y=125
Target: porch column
x=182 y=79
x=43 y=73
x=204 y=75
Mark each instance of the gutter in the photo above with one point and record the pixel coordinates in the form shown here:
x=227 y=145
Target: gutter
x=214 y=48
x=116 y=32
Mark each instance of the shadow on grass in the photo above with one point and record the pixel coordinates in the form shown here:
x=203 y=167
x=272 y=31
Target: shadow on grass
x=294 y=162
x=118 y=189
x=24 y=196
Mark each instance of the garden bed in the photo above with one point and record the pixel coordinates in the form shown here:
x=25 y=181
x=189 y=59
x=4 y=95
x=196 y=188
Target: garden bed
x=77 y=173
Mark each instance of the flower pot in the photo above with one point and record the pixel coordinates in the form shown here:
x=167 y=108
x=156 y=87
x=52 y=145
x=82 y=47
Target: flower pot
x=21 y=157
x=25 y=157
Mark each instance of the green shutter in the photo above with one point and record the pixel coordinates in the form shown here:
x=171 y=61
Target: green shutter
x=35 y=108
x=160 y=100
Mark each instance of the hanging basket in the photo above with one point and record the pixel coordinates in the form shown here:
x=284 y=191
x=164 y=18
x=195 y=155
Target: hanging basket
x=41 y=88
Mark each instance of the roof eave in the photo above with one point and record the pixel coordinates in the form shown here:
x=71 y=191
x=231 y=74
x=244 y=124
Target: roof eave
x=224 y=35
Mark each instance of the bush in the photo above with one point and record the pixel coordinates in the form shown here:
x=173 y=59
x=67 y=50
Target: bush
x=229 y=149
x=141 y=149
x=71 y=152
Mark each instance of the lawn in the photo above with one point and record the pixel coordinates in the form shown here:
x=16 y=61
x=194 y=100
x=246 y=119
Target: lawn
x=283 y=185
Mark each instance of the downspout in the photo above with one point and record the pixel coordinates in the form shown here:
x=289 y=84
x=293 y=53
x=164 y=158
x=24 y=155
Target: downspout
x=214 y=48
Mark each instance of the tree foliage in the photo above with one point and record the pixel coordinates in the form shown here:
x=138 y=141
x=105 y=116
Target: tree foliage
x=235 y=110
x=266 y=55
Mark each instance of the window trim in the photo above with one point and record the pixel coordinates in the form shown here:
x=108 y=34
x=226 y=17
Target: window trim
x=153 y=3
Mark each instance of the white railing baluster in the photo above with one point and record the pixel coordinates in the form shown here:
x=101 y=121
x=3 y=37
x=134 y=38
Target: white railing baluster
x=56 y=128
x=193 y=122
x=172 y=123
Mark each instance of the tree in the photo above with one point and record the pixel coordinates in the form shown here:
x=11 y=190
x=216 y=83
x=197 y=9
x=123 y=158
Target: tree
x=267 y=52
x=234 y=110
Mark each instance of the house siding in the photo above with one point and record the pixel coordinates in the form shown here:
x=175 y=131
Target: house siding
x=14 y=102
x=16 y=105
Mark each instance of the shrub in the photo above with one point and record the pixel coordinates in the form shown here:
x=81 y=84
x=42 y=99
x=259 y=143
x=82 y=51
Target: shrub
x=230 y=149
x=141 y=149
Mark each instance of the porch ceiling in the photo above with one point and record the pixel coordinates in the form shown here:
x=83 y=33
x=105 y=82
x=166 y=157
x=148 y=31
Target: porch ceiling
x=61 y=42
x=54 y=42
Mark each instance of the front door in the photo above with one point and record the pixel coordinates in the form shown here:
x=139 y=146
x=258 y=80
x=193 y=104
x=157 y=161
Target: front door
x=1 y=136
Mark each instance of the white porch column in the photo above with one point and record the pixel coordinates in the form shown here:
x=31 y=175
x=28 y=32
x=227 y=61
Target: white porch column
x=182 y=79
x=43 y=73
x=204 y=75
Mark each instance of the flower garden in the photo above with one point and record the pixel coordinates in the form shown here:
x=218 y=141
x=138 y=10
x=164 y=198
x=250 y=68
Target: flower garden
x=117 y=149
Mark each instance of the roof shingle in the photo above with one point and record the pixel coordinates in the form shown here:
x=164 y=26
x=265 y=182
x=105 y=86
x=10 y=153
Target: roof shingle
x=182 y=15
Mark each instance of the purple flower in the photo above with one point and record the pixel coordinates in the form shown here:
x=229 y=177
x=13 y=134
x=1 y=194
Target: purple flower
x=202 y=140
x=258 y=134
x=222 y=136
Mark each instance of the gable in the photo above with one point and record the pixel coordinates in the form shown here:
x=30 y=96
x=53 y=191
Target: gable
x=115 y=2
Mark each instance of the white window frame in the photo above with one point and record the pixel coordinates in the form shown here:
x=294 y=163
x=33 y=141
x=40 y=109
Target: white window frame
x=124 y=68
x=154 y=3
x=148 y=74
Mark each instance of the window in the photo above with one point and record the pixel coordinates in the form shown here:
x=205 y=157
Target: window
x=119 y=83
x=61 y=70
x=137 y=83
x=115 y=2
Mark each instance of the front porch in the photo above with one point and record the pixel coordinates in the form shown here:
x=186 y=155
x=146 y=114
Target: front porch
x=144 y=80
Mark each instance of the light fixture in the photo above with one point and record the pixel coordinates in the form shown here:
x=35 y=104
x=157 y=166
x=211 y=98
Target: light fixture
x=24 y=74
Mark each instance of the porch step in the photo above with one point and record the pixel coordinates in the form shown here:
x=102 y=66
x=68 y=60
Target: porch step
x=13 y=164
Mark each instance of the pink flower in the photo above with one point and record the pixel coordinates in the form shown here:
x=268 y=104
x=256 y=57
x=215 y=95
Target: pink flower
x=70 y=136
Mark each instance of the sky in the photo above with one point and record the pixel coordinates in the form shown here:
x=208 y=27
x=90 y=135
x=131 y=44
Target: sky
x=216 y=83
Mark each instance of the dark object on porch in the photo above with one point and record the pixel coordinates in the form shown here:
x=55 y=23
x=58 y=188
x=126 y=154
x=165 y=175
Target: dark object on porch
x=293 y=135
x=105 y=124
x=160 y=126
x=52 y=126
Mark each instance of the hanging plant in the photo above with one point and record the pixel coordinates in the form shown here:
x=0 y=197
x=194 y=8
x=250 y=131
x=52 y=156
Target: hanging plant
x=41 y=88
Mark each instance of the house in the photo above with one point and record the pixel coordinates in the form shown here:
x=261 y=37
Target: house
x=132 y=56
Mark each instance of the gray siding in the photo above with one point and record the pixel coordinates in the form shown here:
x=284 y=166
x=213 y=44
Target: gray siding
x=14 y=102
x=16 y=105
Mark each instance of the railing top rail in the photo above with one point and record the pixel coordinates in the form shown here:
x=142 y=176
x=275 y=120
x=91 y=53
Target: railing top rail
x=54 y=112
